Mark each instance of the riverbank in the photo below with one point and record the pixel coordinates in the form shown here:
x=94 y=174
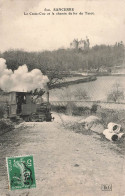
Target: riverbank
x=78 y=81
x=108 y=74
x=97 y=90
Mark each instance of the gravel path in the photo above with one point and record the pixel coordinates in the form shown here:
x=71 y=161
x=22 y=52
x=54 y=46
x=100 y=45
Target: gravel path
x=66 y=163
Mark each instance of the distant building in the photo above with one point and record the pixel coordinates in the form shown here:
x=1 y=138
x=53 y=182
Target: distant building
x=82 y=44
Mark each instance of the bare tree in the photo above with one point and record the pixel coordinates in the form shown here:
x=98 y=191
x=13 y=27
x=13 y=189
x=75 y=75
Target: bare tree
x=116 y=94
x=81 y=94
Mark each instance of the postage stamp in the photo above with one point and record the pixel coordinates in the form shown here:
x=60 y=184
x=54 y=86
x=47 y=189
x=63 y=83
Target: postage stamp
x=21 y=172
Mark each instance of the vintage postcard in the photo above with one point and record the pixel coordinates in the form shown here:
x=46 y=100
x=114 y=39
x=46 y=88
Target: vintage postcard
x=62 y=98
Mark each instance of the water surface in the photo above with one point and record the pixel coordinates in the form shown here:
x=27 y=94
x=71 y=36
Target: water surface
x=96 y=90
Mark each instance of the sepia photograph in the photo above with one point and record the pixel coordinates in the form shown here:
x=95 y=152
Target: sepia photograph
x=62 y=98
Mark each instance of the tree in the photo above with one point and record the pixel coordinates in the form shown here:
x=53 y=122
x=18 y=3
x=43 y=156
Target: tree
x=81 y=94
x=116 y=94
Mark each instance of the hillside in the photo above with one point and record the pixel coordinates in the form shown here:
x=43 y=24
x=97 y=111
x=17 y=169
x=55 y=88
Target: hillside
x=99 y=58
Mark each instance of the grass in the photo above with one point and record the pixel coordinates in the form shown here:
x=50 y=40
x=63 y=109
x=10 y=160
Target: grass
x=5 y=124
x=107 y=115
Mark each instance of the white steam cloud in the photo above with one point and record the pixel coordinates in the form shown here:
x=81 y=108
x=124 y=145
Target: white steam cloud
x=21 y=80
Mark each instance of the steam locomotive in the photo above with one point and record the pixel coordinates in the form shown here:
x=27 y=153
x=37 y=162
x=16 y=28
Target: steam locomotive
x=21 y=105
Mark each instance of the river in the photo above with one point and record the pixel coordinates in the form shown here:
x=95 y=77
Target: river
x=96 y=90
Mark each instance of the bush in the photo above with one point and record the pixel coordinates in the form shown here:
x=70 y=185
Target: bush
x=58 y=108
x=71 y=109
x=81 y=111
x=94 y=108
x=108 y=115
x=117 y=93
x=6 y=125
x=81 y=94
x=2 y=111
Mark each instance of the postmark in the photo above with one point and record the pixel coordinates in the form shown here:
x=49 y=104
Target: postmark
x=21 y=172
x=106 y=187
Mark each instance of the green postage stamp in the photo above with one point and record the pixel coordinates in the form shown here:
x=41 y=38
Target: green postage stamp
x=21 y=172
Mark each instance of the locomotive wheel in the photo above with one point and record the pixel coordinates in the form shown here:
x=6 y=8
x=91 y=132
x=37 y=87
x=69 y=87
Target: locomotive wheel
x=33 y=119
x=26 y=118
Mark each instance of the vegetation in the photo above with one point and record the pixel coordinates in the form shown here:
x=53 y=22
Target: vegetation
x=116 y=94
x=110 y=115
x=2 y=111
x=5 y=126
x=55 y=63
x=71 y=109
x=81 y=94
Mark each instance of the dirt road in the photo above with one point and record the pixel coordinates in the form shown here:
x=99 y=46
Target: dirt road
x=66 y=163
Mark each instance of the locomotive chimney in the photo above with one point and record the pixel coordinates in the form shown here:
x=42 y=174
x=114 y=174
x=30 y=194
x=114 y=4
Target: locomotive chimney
x=47 y=93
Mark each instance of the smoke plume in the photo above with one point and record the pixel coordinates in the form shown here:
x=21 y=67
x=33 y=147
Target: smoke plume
x=20 y=79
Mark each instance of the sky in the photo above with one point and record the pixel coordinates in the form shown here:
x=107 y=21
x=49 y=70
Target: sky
x=50 y=32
